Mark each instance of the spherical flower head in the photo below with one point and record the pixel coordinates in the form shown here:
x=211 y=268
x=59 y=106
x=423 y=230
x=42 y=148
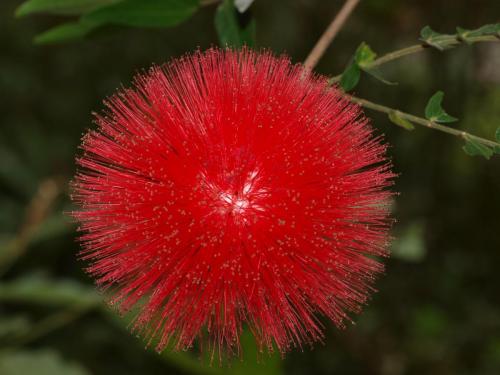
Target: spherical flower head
x=231 y=189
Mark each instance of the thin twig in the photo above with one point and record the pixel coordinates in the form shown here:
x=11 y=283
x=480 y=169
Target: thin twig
x=421 y=121
x=36 y=212
x=326 y=39
x=51 y=323
x=446 y=42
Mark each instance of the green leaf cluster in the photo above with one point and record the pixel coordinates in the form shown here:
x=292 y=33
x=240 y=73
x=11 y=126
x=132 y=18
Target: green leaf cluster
x=441 y=42
x=434 y=112
x=93 y=14
x=474 y=148
x=361 y=61
x=468 y=35
x=434 y=39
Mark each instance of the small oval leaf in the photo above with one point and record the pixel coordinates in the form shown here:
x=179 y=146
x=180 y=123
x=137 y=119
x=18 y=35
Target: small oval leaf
x=396 y=118
x=350 y=77
x=435 y=112
x=474 y=148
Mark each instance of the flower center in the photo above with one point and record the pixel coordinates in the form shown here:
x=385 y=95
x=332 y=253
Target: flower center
x=234 y=203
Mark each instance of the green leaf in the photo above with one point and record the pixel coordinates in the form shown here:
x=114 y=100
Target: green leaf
x=249 y=33
x=66 y=32
x=427 y=33
x=474 y=148
x=228 y=28
x=434 y=39
x=484 y=30
x=490 y=29
x=435 y=112
x=466 y=35
x=396 y=118
x=143 y=13
x=40 y=290
x=226 y=25
x=364 y=55
x=350 y=77
x=44 y=362
x=64 y=7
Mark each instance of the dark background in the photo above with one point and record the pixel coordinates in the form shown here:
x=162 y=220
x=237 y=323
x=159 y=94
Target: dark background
x=438 y=306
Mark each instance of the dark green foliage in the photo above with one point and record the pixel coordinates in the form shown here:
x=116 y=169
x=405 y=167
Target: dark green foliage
x=229 y=28
x=95 y=14
x=144 y=13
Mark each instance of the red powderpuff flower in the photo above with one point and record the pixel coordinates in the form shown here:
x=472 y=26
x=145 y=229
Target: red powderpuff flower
x=230 y=189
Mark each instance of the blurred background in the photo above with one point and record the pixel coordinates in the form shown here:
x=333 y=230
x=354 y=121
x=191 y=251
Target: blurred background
x=437 y=310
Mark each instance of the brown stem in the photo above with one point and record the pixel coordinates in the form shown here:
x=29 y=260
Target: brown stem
x=37 y=210
x=326 y=39
x=421 y=121
x=446 y=42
